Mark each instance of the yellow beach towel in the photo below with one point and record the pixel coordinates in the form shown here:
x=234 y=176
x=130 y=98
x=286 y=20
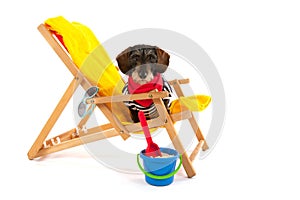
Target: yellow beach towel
x=92 y=59
x=88 y=54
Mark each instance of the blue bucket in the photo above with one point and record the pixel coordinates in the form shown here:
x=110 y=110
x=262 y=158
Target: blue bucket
x=160 y=171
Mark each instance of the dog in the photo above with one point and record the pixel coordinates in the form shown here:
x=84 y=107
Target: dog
x=144 y=65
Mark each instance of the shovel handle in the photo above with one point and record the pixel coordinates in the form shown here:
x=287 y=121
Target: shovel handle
x=142 y=118
x=145 y=127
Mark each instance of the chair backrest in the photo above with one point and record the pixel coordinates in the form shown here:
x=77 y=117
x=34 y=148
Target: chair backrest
x=92 y=60
x=88 y=54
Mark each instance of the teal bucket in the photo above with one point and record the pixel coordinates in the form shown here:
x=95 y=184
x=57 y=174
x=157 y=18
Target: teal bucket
x=160 y=171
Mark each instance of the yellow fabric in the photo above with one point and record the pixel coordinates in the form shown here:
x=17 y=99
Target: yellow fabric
x=99 y=68
x=87 y=53
x=92 y=59
x=192 y=103
x=78 y=38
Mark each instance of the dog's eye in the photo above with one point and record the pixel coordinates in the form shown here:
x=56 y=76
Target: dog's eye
x=151 y=58
x=134 y=57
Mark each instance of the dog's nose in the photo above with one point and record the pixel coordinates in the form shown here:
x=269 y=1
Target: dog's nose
x=142 y=74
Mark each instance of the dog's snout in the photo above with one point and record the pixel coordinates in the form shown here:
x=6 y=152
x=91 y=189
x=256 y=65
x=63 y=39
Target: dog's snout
x=143 y=74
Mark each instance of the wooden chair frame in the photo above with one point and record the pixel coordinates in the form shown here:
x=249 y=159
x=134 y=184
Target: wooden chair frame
x=76 y=136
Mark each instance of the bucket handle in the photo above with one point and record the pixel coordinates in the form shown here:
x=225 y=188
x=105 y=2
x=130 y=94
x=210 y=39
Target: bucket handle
x=156 y=176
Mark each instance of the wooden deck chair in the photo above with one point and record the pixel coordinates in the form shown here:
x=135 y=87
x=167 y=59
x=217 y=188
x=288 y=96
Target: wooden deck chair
x=73 y=137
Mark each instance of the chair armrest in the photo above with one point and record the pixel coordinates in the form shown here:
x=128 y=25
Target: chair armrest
x=128 y=97
x=180 y=81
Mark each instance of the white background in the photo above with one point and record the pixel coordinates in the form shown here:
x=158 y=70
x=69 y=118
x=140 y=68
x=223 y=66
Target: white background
x=255 y=46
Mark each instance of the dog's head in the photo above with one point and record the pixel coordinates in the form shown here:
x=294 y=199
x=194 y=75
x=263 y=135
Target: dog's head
x=143 y=62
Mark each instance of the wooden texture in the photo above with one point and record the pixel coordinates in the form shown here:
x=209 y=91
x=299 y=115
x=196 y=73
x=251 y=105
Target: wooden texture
x=66 y=140
x=62 y=137
x=181 y=116
x=192 y=120
x=58 y=49
x=92 y=137
x=52 y=120
x=187 y=164
x=196 y=150
x=180 y=81
x=128 y=97
x=152 y=123
x=84 y=120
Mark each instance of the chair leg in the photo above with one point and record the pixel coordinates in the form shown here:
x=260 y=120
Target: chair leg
x=186 y=162
x=192 y=120
x=53 y=118
x=198 y=132
x=196 y=150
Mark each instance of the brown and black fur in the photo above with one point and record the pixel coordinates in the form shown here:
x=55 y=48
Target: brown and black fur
x=143 y=62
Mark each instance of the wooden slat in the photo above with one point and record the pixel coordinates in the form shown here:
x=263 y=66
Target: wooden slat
x=62 y=137
x=96 y=129
x=73 y=133
x=129 y=97
x=180 y=81
x=153 y=123
x=181 y=116
x=77 y=141
x=196 y=150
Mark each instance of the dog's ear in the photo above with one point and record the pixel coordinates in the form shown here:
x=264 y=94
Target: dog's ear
x=162 y=59
x=123 y=61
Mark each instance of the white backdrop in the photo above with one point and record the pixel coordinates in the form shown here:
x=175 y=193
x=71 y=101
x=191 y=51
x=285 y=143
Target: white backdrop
x=255 y=47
